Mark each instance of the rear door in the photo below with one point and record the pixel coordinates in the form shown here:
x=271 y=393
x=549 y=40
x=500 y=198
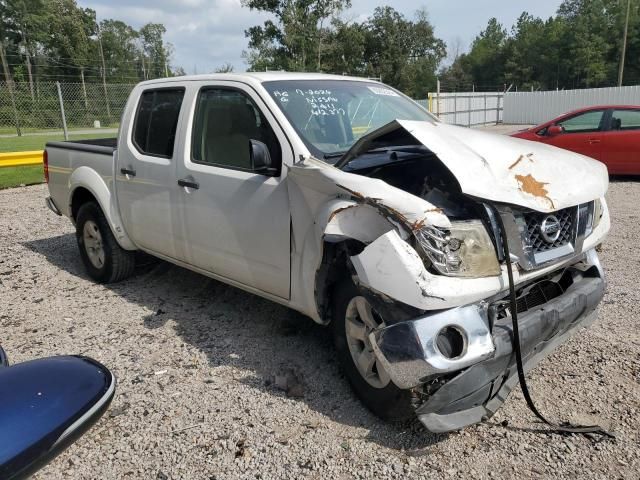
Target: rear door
x=582 y=133
x=237 y=221
x=146 y=186
x=621 y=142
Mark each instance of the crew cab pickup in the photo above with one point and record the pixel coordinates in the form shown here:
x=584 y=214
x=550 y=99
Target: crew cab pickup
x=347 y=201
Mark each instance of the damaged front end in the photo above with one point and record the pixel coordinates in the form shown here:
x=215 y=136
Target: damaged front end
x=418 y=200
x=471 y=348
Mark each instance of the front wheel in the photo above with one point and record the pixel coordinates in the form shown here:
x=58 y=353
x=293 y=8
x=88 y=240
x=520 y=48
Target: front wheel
x=104 y=260
x=353 y=320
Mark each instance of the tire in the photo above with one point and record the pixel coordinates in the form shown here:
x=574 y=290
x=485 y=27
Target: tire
x=115 y=263
x=384 y=399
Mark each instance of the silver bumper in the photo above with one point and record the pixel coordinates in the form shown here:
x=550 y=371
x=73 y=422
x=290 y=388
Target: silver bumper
x=482 y=376
x=409 y=352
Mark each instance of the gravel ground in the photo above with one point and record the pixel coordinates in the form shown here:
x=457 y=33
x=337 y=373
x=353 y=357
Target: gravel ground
x=218 y=383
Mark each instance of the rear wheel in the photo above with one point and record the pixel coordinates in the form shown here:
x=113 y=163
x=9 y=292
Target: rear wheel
x=353 y=320
x=104 y=260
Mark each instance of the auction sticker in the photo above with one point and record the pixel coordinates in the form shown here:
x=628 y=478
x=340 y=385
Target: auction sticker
x=383 y=91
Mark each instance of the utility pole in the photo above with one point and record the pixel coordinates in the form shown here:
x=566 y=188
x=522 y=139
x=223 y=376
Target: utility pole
x=624 y=45
x=104 y=74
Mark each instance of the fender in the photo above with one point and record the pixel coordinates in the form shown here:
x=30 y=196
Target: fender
x=88 y=178
x=329 y=205
x=337 y=220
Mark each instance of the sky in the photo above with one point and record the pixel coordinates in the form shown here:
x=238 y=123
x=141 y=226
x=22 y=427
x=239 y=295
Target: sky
x=209 y=33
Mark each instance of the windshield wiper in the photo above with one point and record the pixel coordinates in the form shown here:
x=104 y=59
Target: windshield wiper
x=326 y=156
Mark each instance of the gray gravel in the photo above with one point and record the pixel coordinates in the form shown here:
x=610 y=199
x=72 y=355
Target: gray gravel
x=218 y=383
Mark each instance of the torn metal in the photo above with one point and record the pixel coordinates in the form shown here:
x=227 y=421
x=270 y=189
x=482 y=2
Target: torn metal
x=505 y=169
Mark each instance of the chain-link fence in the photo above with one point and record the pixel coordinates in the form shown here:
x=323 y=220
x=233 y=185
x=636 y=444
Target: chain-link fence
x=27 y=108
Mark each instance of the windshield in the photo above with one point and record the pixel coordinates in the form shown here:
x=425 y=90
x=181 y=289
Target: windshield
x=331 y=115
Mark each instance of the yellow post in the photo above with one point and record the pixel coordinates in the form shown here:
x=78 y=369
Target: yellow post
x=430 y=102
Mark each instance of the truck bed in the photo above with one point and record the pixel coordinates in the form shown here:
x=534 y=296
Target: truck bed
x=104 y=146
x=66 y=157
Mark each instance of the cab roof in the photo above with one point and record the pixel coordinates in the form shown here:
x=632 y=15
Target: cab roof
x=259 y=77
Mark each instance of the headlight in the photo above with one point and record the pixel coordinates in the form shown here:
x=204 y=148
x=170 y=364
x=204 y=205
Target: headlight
x=594 y=215
x=463 y=251
x=598 y=211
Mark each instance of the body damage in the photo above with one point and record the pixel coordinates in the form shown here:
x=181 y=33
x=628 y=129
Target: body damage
x=508 y=170
x=330 y=205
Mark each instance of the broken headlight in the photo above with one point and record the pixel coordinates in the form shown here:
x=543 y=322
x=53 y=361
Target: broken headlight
x=465 y=250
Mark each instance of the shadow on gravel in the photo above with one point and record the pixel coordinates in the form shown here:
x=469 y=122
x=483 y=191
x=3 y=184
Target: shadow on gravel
x=624 y=178
x=286 y=353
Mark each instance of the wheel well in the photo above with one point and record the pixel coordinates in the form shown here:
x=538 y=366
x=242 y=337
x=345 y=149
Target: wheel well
x=335 y=266
x=80 y=196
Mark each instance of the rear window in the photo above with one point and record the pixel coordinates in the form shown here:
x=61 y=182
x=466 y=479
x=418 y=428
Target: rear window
x=625 y=120
x=154 y=131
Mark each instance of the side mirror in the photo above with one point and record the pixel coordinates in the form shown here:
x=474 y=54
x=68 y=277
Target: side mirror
x=260 y=157
x=47 y=404
x=555 y=130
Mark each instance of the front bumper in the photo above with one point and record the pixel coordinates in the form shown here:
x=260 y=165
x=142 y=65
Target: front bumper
x=474 y=385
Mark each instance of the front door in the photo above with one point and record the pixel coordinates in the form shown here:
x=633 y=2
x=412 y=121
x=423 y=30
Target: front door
x=145 y=175
x=621 y=142
x=237 y=221
x=582 y=133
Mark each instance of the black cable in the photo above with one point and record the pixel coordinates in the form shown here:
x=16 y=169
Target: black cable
x=564 y=427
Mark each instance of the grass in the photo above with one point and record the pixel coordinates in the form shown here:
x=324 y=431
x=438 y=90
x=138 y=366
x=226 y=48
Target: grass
x=16 y=176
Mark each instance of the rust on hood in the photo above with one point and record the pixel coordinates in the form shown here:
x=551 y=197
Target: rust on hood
x=528 y=184
x=520 y=158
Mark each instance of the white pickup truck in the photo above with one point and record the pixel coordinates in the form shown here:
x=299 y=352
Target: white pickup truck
x=345 y=200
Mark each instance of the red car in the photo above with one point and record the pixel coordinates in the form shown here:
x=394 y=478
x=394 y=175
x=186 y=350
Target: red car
x=610 y=134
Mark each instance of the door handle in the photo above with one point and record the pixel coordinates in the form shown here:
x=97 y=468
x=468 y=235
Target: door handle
x=594 y=140
x=129 y=172
x=183 y=182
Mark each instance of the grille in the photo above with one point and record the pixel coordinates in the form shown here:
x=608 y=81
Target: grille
x=535 y=295
x=534 y=220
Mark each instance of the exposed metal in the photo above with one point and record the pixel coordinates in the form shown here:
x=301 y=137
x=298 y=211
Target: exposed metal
x=409 y=352
x=476 y=393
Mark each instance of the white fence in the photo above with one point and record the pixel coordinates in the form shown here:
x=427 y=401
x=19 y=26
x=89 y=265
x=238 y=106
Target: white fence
x=466 y=108
x=537 y=107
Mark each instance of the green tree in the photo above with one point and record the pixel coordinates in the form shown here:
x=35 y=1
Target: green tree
x=119 y=44
x=487 y=58
x=154 y=50
x=294 y=41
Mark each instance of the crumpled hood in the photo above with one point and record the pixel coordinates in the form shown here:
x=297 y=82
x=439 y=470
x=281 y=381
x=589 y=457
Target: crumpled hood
x=506 y=169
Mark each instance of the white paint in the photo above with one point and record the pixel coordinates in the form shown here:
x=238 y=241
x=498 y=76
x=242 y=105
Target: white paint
x=486 y=166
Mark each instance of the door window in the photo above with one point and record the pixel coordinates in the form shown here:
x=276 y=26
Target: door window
x=625 y=120
x=154 y=131
x=583 y=122
x=225 y=122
